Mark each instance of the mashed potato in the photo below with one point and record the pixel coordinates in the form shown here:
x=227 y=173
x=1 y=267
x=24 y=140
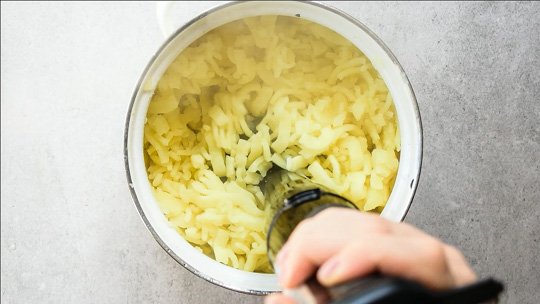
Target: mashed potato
x=255 y=93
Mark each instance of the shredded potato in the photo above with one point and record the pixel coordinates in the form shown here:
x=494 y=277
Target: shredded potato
x=255 y=93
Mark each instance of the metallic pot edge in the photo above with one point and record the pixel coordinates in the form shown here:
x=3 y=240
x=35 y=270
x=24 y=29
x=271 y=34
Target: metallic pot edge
x=414 y=182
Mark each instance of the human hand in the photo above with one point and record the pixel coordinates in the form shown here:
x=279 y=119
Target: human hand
x=341 y=244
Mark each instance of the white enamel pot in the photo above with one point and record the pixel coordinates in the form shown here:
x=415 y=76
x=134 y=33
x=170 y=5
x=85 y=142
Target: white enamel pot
x=382 y=59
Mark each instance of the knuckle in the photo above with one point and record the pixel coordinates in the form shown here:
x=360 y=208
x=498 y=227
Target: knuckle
x=328 y=213
x=301 y=232
x=304 y=226
x=433 y=250
x=381 y=226
x=376 y=223
x=453 y=251
x=409 y=228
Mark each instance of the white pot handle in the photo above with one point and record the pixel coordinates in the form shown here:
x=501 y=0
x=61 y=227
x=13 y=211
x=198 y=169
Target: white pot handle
x=163 y=11
x=171 y=15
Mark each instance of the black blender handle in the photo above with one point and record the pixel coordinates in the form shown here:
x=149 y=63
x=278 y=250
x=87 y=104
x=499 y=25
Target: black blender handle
x=294 y=204
x=380 y=289
x=478 y=292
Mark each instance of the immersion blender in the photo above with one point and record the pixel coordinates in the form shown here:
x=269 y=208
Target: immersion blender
x=292 y=198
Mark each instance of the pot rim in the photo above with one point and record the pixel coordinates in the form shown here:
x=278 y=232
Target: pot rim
x=159 y=240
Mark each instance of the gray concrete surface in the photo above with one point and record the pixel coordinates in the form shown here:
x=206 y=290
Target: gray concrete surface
x=70 y=232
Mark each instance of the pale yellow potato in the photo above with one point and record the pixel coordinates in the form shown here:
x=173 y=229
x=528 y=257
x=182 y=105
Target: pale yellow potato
x=255 y=93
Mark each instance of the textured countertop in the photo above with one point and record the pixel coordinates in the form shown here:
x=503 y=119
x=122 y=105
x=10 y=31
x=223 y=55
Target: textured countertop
x=70 y=232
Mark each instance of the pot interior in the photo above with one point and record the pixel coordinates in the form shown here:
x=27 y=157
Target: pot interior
x=359 y=35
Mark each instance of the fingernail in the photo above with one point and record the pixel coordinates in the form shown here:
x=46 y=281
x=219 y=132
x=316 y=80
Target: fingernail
x=328 y=270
